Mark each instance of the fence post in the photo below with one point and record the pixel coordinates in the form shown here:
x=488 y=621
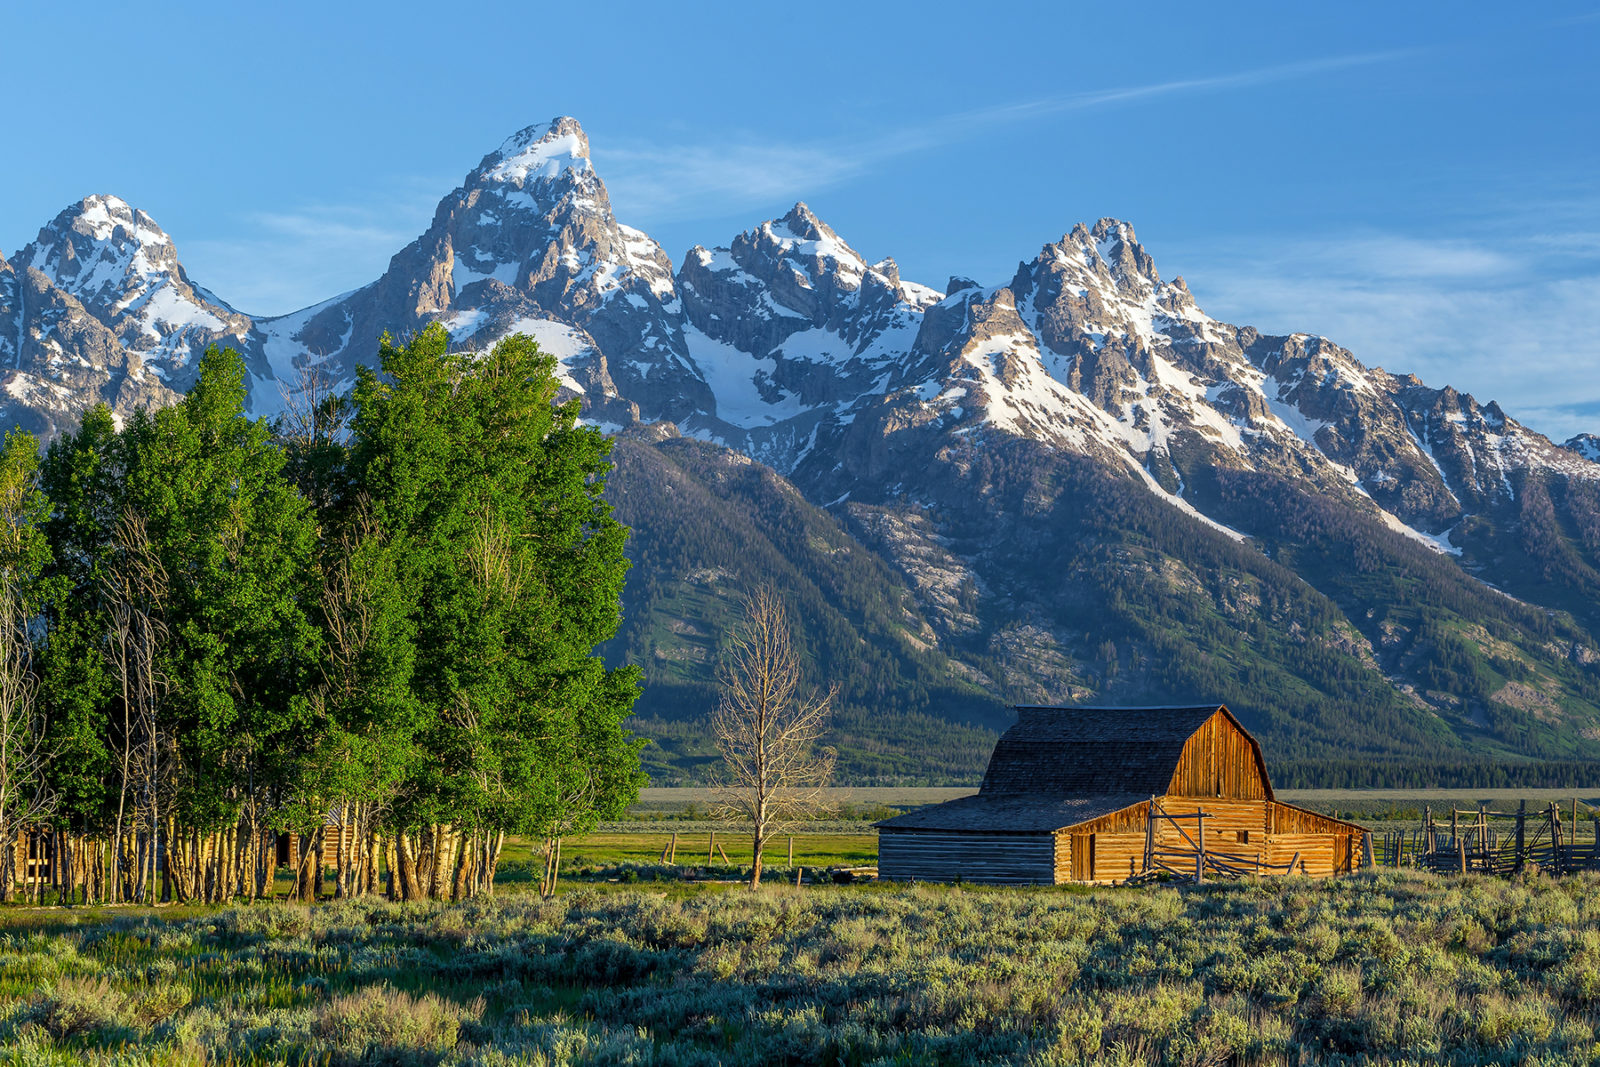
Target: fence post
x=1461 y=853
x=1522 y=818
x=1149 y=835
x=711 y=849
x=1366 y=850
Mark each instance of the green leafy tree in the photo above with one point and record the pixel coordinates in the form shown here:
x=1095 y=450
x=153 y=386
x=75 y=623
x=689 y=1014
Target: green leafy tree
x=491 y=495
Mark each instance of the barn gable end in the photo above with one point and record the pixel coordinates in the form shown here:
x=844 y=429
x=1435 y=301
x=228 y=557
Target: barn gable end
x=1220 y=760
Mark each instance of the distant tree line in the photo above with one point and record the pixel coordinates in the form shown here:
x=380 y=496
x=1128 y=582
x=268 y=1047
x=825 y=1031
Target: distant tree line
x=1429 y=774
x=371 y=625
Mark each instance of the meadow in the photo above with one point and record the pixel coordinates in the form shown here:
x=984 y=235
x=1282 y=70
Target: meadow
x=1380 y=967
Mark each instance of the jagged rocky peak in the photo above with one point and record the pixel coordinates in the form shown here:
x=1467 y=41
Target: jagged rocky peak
x=1098 y=288
x=788 y=273
x=528 y=242
x=1586 y=445
x=1109 y=250
x=536 y=217
x=100 y=247
x=1119 y=248
x=805 y=247
x=123 y=270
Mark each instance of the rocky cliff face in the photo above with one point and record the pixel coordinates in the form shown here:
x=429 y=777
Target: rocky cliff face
x=927 y=422
x=59 y=357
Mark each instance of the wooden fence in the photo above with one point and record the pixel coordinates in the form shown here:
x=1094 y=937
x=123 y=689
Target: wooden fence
x=1485 y=841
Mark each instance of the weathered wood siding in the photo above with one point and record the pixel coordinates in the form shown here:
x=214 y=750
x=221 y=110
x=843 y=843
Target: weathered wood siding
x=949 y=855
x=288 y=847
x=1220 y=760
x=1241 y=830
x=1117 y=856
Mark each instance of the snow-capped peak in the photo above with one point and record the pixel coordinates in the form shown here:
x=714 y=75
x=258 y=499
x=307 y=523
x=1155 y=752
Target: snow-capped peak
x=801 y=233
x=99 y=216
x=124 y=270
x=539 y=153
x=95 y=247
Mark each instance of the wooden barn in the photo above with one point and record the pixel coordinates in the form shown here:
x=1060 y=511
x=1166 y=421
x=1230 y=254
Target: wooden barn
x=1108 y=794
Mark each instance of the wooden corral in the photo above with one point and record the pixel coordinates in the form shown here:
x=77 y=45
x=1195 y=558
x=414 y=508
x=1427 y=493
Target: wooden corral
x=1484 y=841
x=1103 y=795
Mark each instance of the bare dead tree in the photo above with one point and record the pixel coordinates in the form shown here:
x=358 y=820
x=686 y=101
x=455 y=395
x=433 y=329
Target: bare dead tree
x=768 y=729
x=136 y=588
x=314 y=421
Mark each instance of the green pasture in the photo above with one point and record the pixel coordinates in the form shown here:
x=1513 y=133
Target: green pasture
x=729 y=852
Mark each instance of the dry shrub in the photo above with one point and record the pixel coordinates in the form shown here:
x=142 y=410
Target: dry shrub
x=380 y=1024
x=75 y=1006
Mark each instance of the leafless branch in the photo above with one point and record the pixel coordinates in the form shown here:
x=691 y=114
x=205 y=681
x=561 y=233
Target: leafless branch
x=768 y=729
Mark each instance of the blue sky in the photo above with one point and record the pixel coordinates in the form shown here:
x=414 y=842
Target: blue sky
x=1417 y=182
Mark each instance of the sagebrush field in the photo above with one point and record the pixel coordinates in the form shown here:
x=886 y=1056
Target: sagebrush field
x=1383 y=967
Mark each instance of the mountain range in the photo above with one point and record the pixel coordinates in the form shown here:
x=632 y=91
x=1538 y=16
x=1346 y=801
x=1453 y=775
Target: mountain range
x=1067 y=485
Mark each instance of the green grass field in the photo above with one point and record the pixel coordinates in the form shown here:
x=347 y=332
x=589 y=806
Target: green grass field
x=733 y=851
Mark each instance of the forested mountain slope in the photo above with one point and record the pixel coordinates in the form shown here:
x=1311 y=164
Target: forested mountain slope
x=708 y=523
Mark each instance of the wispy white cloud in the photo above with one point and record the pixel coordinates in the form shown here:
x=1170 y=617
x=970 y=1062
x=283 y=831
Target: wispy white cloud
x=1509 y=318
x=674 y=181
x=280 y=261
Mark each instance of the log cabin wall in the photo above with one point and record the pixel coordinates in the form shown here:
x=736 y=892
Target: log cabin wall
x=947 y=856
x=288 y=847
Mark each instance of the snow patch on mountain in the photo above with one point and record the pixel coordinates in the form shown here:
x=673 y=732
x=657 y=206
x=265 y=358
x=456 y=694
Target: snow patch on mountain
x=560 y=340
x=742 y=384
x=540 y=153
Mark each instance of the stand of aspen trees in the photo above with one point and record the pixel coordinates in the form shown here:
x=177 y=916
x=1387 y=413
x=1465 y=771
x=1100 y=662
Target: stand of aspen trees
x=355 y=645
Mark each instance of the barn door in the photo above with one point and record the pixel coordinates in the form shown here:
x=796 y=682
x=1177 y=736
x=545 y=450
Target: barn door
x=1082 y=857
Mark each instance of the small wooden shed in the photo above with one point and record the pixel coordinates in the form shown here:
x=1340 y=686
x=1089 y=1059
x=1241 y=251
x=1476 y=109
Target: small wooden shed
x=1108 y=794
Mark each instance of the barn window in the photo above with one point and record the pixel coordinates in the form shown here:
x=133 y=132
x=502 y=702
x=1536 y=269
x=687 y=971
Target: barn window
x=1243 y=836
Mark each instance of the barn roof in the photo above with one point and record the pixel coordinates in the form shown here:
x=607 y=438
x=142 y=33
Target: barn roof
x=1013 y=814
x=1061 y=766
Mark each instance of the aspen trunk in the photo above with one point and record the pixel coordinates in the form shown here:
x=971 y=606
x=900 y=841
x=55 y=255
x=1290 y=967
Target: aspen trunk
x=391 y=856
x=172 y=882
x=341 y=888
x=494 y=860
x=458 y=883
x=369 y=866
x=408 y=867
